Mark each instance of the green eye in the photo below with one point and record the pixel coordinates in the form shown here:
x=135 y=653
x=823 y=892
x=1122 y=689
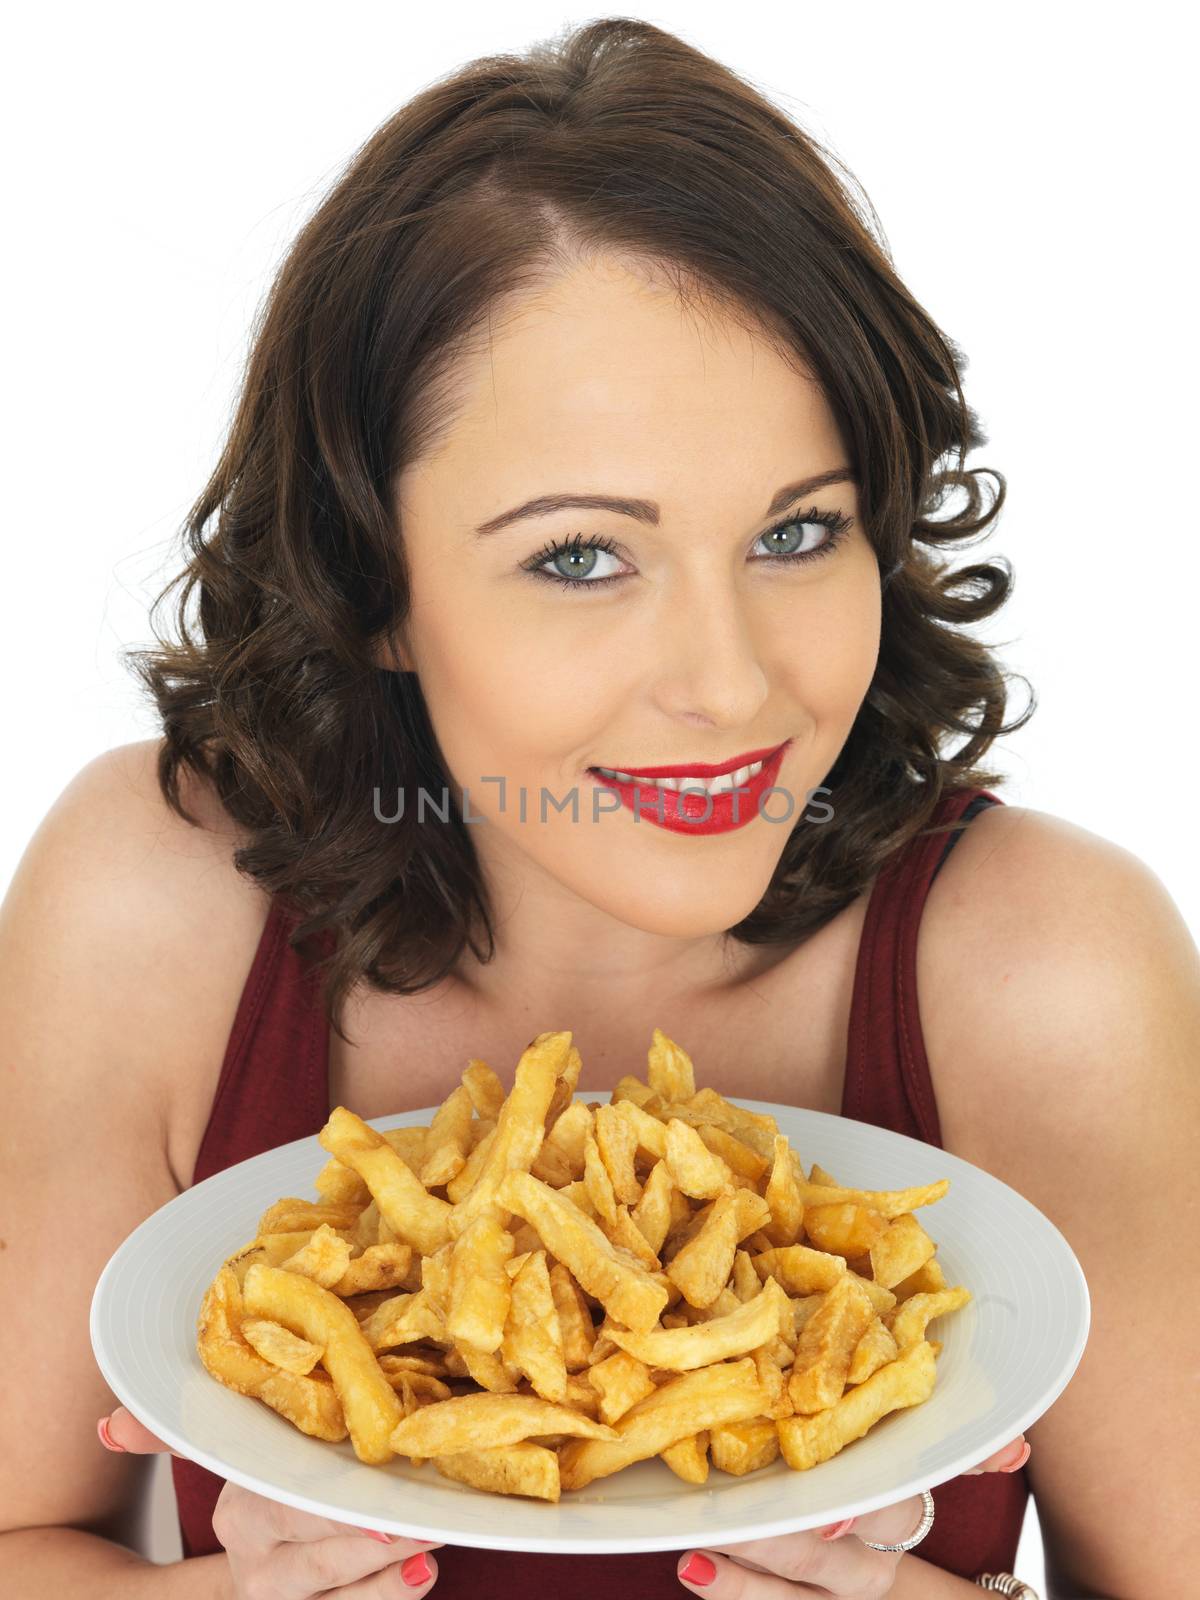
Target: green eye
x=580 y=549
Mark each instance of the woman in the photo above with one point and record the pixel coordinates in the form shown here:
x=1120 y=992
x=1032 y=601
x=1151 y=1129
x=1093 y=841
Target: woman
x=594 y=318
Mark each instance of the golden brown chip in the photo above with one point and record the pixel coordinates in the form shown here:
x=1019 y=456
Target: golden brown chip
x=621 y=1380
x=631 y=1294
x=415 y=1216
x=484 y=1087
x=533 y=1341
x=480 y=1288
x=519 y=1128
x=907 y=1381
x=279 y=1346
x=449 y=1139
x=368 y=1402
x=524 y=1468
x=669 y=1069
x=688 y=1458
x=726 y=1392
x=477 y=1421
x=617 y=1142
x=309 y=1404
x=748 y=1310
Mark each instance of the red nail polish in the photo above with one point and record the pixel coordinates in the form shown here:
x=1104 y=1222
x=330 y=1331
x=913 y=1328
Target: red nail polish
x=374 y=1533
x=699 y=1569
x=106 y=1438
x=416 y=1569
x=837 y=1529
x=1026 y=1452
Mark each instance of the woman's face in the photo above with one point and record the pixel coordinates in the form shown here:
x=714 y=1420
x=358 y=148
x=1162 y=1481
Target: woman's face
x=702 y=648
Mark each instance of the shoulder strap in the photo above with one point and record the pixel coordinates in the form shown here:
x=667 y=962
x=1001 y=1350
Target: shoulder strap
x=274 y=1083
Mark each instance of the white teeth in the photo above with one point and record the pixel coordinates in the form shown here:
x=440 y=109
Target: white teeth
x=719 y=785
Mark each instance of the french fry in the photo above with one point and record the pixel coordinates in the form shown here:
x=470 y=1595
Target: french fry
x=616 y=1140
x=480 y=1287
x=701 y=1267
x=415 y=1216
x=484 y=1087
x=574 y=1319
x=602 y=1283
x=900 y=1250
x=522 y=1468
x=911 y=1317
x=381 y=1266
x=520 y=1126
x=688 y=1458
x=653 y=1212
x=449 y=1140
x=621 y=1380
x=477 y=1421
x=827 y=1344
x=907 y=1381
x=693 y=1167
x=597 y=1180
x=280 y=1347
x=888 y=1202
x=742 y=1447
x=684 y=1349
x=669 y=1069
x=627 y=1291
x=368 y=1401
x=308 y=1404
x=726 y=1392
x=533 y=1339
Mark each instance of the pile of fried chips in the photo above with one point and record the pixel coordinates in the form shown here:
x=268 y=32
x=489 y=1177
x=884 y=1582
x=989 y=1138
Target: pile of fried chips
x=535 y=1291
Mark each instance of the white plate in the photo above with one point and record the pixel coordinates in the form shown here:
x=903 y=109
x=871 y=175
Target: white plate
x=1006 y=1358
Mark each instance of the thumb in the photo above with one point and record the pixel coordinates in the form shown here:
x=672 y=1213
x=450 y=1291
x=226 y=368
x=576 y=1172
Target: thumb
x=122 y=1431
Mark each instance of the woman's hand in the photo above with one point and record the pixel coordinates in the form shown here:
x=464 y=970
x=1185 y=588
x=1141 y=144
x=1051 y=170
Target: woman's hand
x=821 y=1561
x=286 y=1554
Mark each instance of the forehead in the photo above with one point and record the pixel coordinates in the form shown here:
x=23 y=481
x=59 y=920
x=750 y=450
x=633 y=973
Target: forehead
x=604 y=369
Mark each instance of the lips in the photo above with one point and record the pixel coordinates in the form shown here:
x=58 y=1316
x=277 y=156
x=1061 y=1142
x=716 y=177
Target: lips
x=692 y=811
x=698 y=769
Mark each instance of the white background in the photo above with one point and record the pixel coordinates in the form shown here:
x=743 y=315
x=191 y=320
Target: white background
x=1032 y=168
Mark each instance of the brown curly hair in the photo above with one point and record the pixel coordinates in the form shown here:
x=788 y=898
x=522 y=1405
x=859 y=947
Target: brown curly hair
x=614 y=136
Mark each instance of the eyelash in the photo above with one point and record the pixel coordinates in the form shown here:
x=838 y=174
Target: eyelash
x=836 y=521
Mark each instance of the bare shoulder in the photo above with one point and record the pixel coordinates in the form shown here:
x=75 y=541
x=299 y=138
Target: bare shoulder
x=1060 y=1000
x=1034 y=926
x=125 y=936
x=149 y=911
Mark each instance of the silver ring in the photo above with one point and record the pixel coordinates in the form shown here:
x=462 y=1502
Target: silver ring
x=914 y=1539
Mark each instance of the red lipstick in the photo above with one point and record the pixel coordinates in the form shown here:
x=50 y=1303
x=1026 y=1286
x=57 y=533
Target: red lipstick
x=691 y=810
x=697 y=769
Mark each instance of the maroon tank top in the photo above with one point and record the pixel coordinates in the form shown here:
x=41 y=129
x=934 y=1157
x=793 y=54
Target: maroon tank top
x=274 y=1088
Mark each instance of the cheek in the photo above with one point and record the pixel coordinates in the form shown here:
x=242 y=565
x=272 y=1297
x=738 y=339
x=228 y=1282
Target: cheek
x=503 y=690
x=826 y=650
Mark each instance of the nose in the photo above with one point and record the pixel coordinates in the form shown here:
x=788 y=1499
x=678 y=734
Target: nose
x=707 y=649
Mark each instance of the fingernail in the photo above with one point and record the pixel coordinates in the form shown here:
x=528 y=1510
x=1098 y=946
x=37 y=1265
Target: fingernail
x=1019 y=1462
x=835 y=1530
x=698 y=1569
x=374 y=1533
x=416 y=1569
x=106 y=1438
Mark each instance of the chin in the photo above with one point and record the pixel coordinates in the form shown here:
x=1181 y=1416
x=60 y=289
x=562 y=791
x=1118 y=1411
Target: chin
x=681 y=921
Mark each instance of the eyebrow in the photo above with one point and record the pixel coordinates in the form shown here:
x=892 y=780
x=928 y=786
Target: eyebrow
x=647 y=510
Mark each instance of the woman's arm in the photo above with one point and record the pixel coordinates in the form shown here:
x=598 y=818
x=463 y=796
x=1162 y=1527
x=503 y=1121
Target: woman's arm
x=65 y=1562
x=1067 y=1019
x=921 y=1580
x=102 y=1013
